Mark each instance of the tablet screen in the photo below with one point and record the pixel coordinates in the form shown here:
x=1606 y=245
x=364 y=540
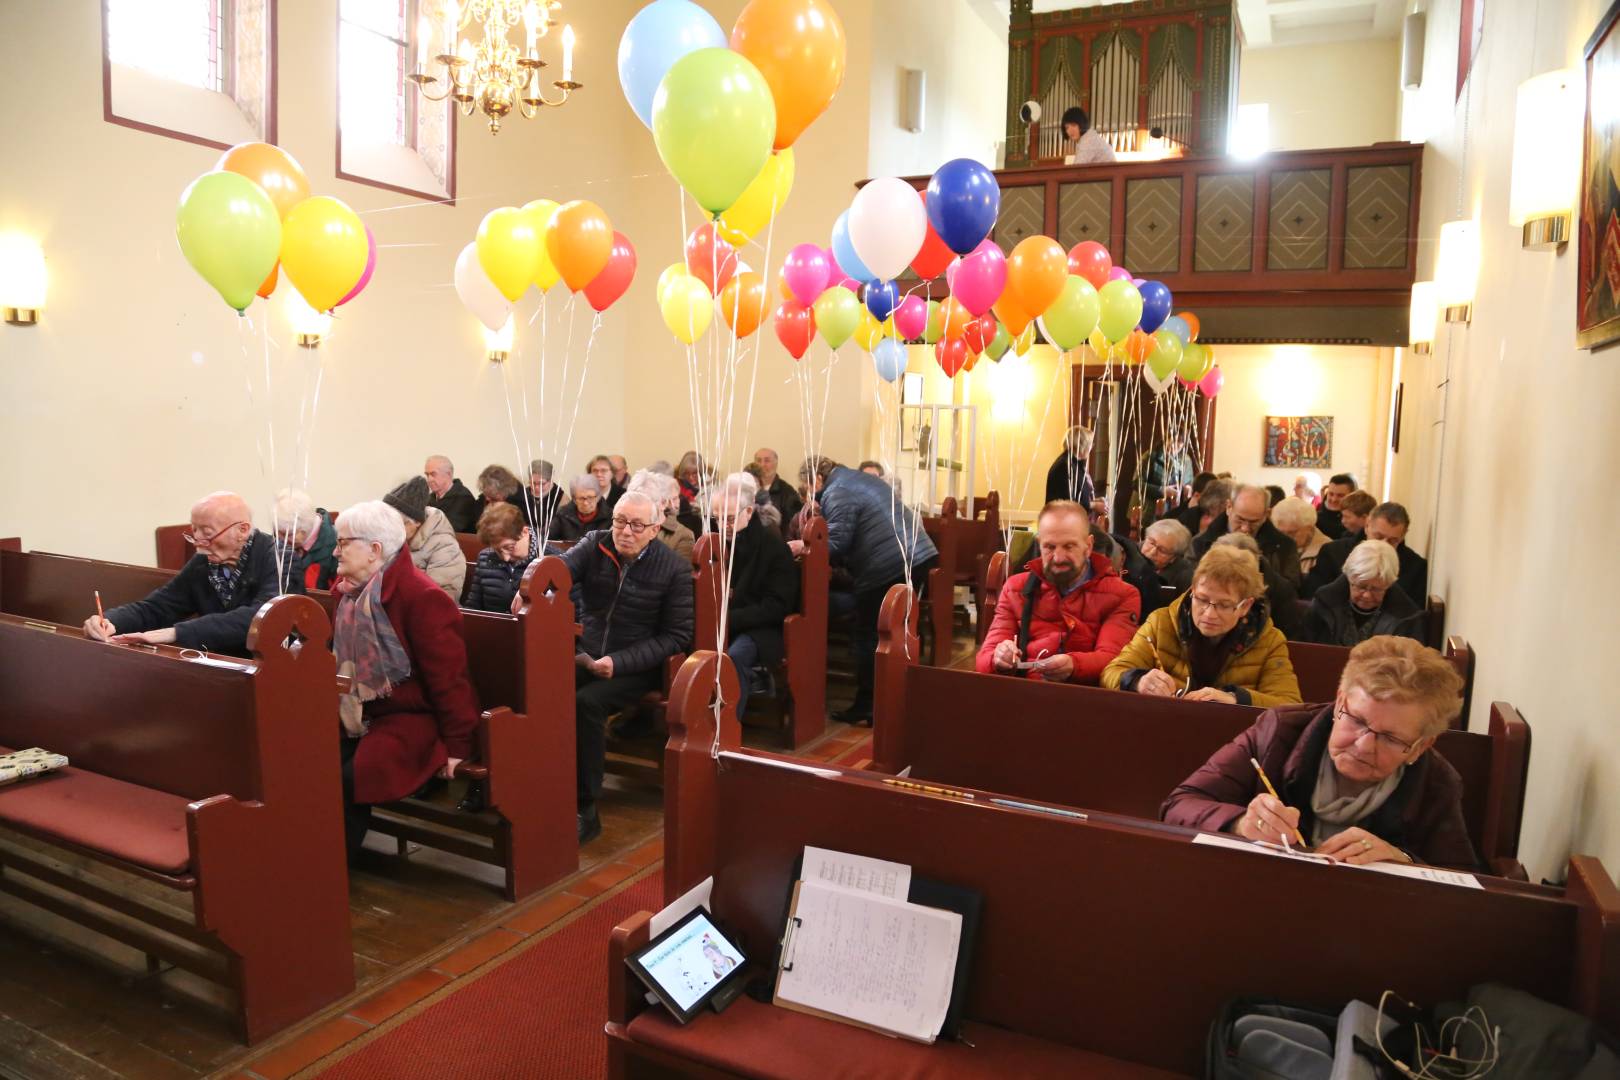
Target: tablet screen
x=687 y=963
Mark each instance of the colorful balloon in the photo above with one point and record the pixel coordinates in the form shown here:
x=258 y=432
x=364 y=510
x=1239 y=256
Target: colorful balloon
x=579 y=239
x=509 y=249
x=671 y=272
x=887 y=226
x=1155 y=304
x=934 y=326
x=323 y=250
x=269 y=285
x=755 y=208
x=952 y=354
x=963 y=201
x=869 y=331
x=1073 y=315
x=1119 y=273
x=934 y=257
x=479 y=294
x=807 y=272
x=540 y=212
x=1138 y=346
x=1178 y=326
x=838 y=313
x=1156 y=382
x=709 y=258
x=1193 y=325
x=1036 y=271
x=742 y=304
x=365 y=275
x=1091 y=261
x=799 y=48
x=615 y=277
x=889 y=358
x=230 y=233
x=999 y=344
x=276 y=172
x=1010 y=312
x=980 y=278
x=956 y=318
x=1121 y=309
x=882 y=297
x=1100 y=344
x=911 y=317
x=1210 y=385
x=980 y=332
x=713 y=121
x=660 y=34
x=843 y=249
x=1167 y=353
x=1023 y=342
x=687 y=308
x=795 y=327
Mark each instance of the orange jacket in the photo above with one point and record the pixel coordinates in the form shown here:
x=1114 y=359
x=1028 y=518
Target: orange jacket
x=1092 y=623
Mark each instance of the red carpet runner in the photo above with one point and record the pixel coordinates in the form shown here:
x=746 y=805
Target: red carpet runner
x=538 y=1015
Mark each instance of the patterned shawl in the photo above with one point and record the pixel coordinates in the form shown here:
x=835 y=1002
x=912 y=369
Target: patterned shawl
x=368 y=652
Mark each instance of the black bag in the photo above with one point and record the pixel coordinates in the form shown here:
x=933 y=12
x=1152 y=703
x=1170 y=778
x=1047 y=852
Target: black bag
x=1264 y=1039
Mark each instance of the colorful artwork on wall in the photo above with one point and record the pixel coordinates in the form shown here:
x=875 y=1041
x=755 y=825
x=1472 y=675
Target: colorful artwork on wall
x=1597 y=275
x=1299 y=442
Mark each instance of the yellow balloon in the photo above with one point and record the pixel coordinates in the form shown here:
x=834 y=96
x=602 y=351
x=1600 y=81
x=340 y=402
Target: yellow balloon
x=509 y=249
x=1099 y=343
x=323 y=250
x=765 y=195
x=687 y=308
x=540 y=211
x=671 y=272
x=1024 y=341
x=868 y=332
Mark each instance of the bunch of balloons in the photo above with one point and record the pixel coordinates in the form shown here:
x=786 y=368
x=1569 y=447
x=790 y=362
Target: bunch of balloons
x=687 y=290
x=252 y=217
x=541 y=243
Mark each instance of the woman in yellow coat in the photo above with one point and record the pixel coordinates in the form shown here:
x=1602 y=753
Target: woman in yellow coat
x=1215 y=642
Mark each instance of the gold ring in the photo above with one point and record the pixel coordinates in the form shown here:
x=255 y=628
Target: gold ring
x=1366 y=845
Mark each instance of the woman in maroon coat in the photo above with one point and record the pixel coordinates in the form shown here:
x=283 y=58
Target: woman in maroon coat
x=1354 y=777
x=411 y=711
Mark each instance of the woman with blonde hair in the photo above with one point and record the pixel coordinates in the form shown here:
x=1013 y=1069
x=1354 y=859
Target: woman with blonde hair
x=1214 y=642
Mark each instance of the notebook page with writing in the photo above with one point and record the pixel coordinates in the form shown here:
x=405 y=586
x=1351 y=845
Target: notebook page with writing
x=1418 y=872
x=881 y=963
x=856 y=873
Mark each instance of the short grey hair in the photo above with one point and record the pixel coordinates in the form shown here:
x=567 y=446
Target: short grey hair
x=654 y=512
x=294 y=510
x=1373 y=560
x=377 y=522
x=1293 y=513
x=586 y=482
x=540 y=467
x=1171 y=535
x=661 y=487
x=662 y=467
x=1080 y=438
x=1217 y=495
x=1244 y=489
x=440 y=459
x=1241 y=541
x=744 y=485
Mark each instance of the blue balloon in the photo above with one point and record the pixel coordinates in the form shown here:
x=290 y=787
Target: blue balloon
x=844 y=251
x=660 y=34
x=1178 y=326
x=963 y=201
x=882 y=297
x=1155 y=305
x=890 y=359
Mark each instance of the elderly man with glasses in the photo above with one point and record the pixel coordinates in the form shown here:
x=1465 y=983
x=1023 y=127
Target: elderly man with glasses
x=1250 y=512
x=633 y=599
x=211 y=602
x=1353 y=777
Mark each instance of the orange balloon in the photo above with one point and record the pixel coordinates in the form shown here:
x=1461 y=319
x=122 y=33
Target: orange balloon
x=579 y=240
x=799 y=46
x=972 y=360
x=1012 y=314
x=273 y=169
x=742 y=303
x=1138 y=345
x=1192 y=326
x=782 y=287
x=269 y=285
x=1036 y=272
x=957 y=318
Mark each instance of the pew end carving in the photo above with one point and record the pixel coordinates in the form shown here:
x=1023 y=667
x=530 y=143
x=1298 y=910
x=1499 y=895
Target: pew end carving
x=699 y=727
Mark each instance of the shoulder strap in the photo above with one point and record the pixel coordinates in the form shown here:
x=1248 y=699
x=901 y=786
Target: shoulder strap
x=1032 y=586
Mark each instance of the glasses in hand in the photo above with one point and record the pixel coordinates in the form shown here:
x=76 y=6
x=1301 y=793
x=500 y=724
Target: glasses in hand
x=631 y=526
x=203 y=540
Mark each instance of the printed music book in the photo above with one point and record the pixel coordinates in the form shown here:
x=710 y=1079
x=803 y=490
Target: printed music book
x=32 y=762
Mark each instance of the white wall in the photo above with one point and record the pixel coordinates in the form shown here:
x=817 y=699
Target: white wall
x=1326 y=95
x=1523 y=459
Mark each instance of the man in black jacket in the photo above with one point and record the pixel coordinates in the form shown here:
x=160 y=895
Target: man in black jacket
x=1329 y=516
x=783 y=495
x=1388 y=522
x=1250 y=512
x=634 y=600
x=450 y=496
x=764 y=582
x=211 y=602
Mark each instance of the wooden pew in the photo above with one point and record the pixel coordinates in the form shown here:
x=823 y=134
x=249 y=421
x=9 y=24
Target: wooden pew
x=218 y=780
x=804 y=633
x=172 y=550
x=1318 y=667
x=941 y=601
x=1098 y=749
x=1434 y=622
x=1105 y=947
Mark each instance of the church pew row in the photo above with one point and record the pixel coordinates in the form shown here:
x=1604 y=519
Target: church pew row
x=1097 y=749
x=217 y=781
x=1105 y=946
x=525 y=755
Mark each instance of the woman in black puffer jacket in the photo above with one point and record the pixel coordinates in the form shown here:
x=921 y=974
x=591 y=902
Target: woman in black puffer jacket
x=508 y=548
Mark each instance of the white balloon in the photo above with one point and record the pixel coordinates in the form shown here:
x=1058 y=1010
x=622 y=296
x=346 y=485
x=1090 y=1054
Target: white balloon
x=1153 y=382
x=887 y=226
x=477 y=292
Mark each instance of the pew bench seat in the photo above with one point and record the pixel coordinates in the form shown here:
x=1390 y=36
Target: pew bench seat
x=103 y=816
x=755 y=1039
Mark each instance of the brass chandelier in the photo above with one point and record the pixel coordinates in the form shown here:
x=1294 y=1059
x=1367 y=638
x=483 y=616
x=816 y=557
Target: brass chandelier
x=493 y=76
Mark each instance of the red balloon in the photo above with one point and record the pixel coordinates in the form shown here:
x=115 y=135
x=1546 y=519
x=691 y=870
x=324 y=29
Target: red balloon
x=1091 y=261
x=710 y=259
x=615 y=277
x=952 y=354
x=980 y=333
x=934 y=257
x=795 y=327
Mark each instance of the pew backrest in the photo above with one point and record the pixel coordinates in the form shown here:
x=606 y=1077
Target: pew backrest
x=62 y=588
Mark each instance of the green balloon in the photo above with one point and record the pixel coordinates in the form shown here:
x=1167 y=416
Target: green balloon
x=1073 y=315
x=713 y=121
x=1194 y=363
x=230 y=233
x=936 y=323
x=1120 y=309
x=999 y=344
x=838 y=313
x=1166 y=354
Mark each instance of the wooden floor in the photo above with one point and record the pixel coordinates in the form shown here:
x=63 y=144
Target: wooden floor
x=75 y=1005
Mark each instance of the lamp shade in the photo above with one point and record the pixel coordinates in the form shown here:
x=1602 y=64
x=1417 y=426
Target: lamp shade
x=1425 y=315
x=497 y=343
x=1457 y=270
x=310 y=325
x=22 y=274
x=1546 y=149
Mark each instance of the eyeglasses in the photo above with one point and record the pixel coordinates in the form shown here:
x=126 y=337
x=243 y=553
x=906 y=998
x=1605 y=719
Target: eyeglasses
x=208 y=539
x=1222 y=606
x=1374 y=589
x=634 y=528
x=1239 y=521
x=1381 y=739
x=339 y=543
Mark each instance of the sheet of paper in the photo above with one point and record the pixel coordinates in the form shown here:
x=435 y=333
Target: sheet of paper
x=1420 y=873
x=882 y=962
x=1425 y=873
x=856 y=873
x=1237 y=843
x=780 y=764
x=695 y=897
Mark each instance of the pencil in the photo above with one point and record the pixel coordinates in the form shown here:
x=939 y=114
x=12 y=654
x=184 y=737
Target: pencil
x=102 y=615
x=1266 y=780
x=912 y=785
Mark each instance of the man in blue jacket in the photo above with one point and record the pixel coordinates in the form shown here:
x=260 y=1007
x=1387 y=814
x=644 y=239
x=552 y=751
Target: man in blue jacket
x=877 y=540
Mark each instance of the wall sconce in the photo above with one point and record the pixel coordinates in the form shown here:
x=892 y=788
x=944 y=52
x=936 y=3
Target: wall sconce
x=1546 y=157
x=22 y=279
x=498 y=343
x=1425 y=315
x=1456 y=273
x=309 y=325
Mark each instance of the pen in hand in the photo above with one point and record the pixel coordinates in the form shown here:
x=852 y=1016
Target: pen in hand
x=1266 y=780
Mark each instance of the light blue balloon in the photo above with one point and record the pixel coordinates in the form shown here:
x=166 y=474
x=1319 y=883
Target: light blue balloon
x=660 y=34
x=1178 y=326
x=844 y=251
x=890 y=359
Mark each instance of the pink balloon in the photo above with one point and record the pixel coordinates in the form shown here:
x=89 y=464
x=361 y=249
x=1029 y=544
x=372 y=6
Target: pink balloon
x=950 y=272
x=365 y=275
x=1138 y=282
x=911 y=317
x=807 y=271
x=981 y=278
x=1119 y=273
x=1213 y=382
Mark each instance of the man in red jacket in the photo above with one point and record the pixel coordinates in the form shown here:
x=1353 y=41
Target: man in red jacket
x=1068 y=614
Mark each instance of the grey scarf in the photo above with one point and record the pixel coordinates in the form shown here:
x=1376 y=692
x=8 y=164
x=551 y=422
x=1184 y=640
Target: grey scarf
x=1336 y=812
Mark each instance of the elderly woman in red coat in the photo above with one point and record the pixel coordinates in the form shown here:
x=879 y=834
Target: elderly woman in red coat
x=410 y=712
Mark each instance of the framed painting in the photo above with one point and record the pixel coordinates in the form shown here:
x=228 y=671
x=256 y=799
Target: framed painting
x=1299 y=442
x=1597 y=274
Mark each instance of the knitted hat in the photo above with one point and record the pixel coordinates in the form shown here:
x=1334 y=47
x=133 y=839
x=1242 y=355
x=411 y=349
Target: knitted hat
x=410 y=499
